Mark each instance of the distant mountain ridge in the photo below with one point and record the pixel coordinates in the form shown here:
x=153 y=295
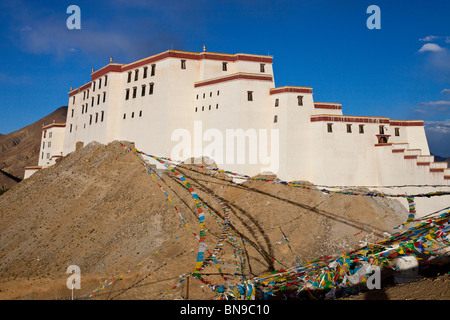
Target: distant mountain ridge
x=20 y=148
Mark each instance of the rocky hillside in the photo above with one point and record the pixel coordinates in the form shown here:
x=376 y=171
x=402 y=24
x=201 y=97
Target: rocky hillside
x=20 y=148
x=98 y=208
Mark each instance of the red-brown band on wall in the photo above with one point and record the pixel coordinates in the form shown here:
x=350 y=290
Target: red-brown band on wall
x=80 y=89
x=290 y=89
x=415 y=123
x=327 y=106
x=234 y=77
x=197 y=56
x=349 y=119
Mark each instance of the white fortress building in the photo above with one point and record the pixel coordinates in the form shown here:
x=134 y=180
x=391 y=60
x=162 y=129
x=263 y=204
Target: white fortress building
x=226 y=106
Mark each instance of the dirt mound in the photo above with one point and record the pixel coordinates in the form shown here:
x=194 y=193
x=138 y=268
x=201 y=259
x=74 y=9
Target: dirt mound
x=99 y=209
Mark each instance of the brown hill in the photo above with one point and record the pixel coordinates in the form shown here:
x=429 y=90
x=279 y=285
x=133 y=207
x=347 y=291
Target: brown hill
x=20 y=148
x=98 y=208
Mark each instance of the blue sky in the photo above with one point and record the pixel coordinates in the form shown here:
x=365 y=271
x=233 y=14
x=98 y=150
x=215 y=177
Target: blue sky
x=401 y=71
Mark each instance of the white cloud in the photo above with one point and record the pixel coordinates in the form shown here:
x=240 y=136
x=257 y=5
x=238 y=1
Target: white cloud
x=429 y=38
x=438 y=132
x=446 y=91
x=438 y=126
x=430 y=47
x=436 y=103
x=439 y=108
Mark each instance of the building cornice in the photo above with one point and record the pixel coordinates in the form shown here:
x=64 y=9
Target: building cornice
x=294 y=89
x=234 y=76
x=54 y=125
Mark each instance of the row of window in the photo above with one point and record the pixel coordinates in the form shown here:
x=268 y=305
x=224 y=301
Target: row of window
x=48 y=155
x=132 y=115
x=361 y=129
x=299 y=101
x=203 y=108
x=133 y=91
x=49 y=144
x=210 y=94
x=49 y=134
x=99 y=117
x=94 y=83
x=84 y=106
x=144 y=75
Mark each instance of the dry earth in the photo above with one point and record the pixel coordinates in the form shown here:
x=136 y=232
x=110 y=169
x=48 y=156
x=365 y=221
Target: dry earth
x=99 y=209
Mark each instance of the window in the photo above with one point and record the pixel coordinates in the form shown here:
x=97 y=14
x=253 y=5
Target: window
x=87 y=95
x=84 y=95
x=50 y=135
x=203 y=96
x=144 y=76
x=210 y=94
x=209 y=107
x=153 y=70
x=132 y=115
x=381 y=129
x=217 y=106
x=197 y=97
x=361 y=128
x=140 y=113
x=300 y=100
x=92 y=101
x=42 y=157
x=134 y=92
x=203 y=108
x=102 y=117
x=73 y=100
x=45 y=133
x=261 y=67
x=224 y=66
x=106 y=81
x=104 y=97
x=397 y=132
x=72 y=113
x=96 y=117
x=349 y=128
x=43 y=145
x=196 y=109
x=127 y=94
x=250 y=95
x=218 y=92
x=129 y=77
x=136 y=75
x=48 y=155
x=329 y=127
x=98 y=99
x=143 y=90
x=124 y=116
x=70 y=128
x=183 y=64
x=93 y=86
x=151 y=85
x=90 y=119
x=99 y=83
x=275 y=119
x=276 y=102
